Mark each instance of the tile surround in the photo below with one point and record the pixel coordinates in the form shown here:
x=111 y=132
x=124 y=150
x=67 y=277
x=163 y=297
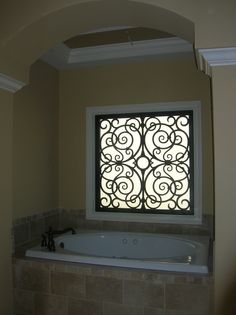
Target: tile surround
x=77 y=218
x=49 y=304
x=48 y=288
x=28 y=229
x=68 y=284
x=106 y=290
x=85 y=307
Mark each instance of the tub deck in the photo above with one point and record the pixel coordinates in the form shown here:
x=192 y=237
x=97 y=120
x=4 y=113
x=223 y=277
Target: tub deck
x=192 y=257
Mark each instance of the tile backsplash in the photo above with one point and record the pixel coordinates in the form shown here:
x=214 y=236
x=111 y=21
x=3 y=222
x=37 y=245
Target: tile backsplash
x=30 y=228
x=77 y=219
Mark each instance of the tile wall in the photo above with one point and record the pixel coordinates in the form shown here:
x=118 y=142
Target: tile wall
x=49 y=288
x=28 y=229
x=54 y=288
x=76 y=218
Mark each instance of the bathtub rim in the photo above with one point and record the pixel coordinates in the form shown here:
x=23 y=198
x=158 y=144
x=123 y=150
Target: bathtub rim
x=152 y=265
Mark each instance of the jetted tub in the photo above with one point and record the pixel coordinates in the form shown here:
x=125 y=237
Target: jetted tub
x=132 y=250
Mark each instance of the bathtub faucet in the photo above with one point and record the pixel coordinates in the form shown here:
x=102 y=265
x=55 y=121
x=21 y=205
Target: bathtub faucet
x=48 y=240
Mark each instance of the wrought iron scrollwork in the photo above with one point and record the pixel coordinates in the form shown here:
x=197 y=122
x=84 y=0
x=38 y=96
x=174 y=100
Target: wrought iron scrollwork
x=145 y=162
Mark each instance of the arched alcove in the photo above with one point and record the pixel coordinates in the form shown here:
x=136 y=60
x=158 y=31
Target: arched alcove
x=29 y=29
x=66 y=19
x=30 y=41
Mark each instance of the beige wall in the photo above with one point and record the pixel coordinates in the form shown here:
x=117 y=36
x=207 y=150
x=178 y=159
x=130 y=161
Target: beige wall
x=146 y=82
x=6 y=104
x=224 y=82
x=35 y=143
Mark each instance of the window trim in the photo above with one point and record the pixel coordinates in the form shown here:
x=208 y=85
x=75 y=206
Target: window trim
x=91 y=112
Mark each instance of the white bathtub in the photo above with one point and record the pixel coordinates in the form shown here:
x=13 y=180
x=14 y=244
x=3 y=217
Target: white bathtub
x=132 y=250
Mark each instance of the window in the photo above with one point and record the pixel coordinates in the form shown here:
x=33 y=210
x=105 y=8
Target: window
x=144 y=163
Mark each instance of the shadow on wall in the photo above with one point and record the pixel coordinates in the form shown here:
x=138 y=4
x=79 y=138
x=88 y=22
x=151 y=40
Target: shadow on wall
x=228 y=307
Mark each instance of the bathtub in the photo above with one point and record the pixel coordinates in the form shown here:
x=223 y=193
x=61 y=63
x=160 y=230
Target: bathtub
x=131 y=250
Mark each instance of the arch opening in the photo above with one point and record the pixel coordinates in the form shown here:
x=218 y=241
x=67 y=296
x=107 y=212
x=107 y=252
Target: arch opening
x=29 y=43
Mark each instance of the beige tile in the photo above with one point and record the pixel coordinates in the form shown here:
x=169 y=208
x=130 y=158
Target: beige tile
x=84 y=307
x=37 y=227
x=68 y=219
x=152 y=276
x=23 y=262
x=16 y=268
x=118 y=309
x=50 y=305
x=59 y=266
x=143 y=293
x=23 y=301
x=172 y=312
x=97 y=270
x=137 y=275
x=42 y=264
x=30 y=278
x=69 y=284
x=115 y=226
x=92 y=224
x=104 y=289
x=21 y=233
x=187 y=297
x=180 y=279
x=78 y=268
x=117 y=273
x=153 y=311
x=52 y=221
x=14 y=276
x=17 y=312
x=141 y=227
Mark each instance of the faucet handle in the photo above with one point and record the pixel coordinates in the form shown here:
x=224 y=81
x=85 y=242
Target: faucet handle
x=53 y=248
x=44 y=241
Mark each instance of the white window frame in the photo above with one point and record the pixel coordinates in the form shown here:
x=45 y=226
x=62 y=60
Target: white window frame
x=91 y=112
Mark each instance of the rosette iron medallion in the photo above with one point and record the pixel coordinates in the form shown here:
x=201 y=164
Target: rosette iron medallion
x=144 y=162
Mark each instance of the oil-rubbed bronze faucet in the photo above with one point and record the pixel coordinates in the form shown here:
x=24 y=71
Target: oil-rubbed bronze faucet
x=48 y=240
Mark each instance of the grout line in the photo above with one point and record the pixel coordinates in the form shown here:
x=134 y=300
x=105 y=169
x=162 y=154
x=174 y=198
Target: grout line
x=34 y=304
x=123 y=291
x=67 y=305
x=164 y=297
x=50 y=281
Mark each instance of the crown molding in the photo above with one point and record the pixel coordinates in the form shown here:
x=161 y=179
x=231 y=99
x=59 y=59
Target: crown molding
x=214 y=57
x=63 y=57
x=129 y=50
x=9 y=84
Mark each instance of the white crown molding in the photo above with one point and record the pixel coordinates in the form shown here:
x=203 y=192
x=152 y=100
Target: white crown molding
x=214 y=57
x=9 y=84
x=62 y=57
x=129 y=50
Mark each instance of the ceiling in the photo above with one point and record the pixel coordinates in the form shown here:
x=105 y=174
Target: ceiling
x=115 y=36
x=116 y=45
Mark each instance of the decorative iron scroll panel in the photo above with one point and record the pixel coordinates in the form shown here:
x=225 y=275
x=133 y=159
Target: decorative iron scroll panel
x=144 y=162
